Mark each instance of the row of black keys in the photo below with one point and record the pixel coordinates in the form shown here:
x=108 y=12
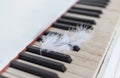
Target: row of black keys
x=89 y=12
x=69 y=22
x=97 y=3
x=65 y=22
x=30 y=57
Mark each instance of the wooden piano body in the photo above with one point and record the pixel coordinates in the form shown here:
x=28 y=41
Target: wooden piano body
x=94 y=58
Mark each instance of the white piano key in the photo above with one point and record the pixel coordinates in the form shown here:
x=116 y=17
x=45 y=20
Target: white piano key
x=96 y=38
x=104 y=28
x=20 y=74
x=81 y=54
x=10 y=75
x=88 y=6
x=91 y=46
x=114 y=6
x=93 y=49
x=80 y=16
x=77 y=60
x=108 y=15
x=81 y=58
x=60 y=74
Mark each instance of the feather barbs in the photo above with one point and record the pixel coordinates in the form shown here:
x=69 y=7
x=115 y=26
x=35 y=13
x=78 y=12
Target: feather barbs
x=67 y=41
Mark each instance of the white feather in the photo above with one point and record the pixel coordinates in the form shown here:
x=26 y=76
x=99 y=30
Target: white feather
x=55 y=42
x=60 y=43
x=80 y=36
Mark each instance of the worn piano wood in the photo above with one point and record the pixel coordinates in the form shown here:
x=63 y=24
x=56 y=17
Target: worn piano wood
x=90 y=61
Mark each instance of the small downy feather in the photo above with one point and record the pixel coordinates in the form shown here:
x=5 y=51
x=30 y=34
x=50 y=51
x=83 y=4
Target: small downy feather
x=55 y=42
x=62 y=43
x=80 y=36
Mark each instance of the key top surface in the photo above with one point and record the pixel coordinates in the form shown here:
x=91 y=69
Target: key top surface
x=92 y=3
x=33 y=70
x=2 y=76
x=70 y=27
x=42 y=61
x=88 y=9
x=97 y=1
x=15 y=73
x=83 y=12
x=70 y=22
x=51 y=54
x=79 y=19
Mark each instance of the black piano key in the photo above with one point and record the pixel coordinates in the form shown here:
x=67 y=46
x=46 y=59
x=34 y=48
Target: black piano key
x=71 y=22
x=74 y=47
x=92 y=3
x=33 y=70
x=2 y=76
x=105 y=2
x=39 y=39
x=63 y=26
x=49 y=32
x=83 y=12
x=46 y=33
x=89 y=21
x=50 y=54
x=69 y=27
x=86 y=9
x=42 y=61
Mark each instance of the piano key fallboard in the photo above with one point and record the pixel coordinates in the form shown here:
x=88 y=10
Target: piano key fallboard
x=87 y=62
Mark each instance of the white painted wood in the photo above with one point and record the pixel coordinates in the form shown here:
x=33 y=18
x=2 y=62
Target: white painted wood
x=22 y=20
x=111 y=66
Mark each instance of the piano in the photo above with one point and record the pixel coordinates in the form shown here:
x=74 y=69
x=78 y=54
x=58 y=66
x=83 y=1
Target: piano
x=24 y=22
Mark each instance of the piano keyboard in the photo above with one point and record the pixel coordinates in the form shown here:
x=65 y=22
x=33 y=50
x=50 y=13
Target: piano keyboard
x=85 y=63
